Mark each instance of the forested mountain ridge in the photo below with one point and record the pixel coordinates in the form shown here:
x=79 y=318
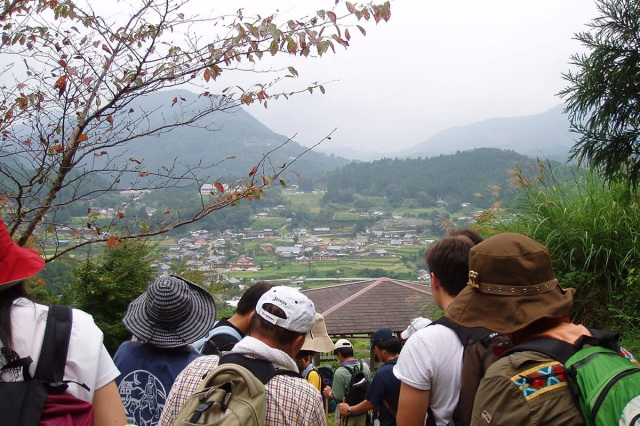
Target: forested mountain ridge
x=454 y=178
x=216 y=138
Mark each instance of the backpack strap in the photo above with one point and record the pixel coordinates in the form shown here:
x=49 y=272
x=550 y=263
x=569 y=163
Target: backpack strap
x=557 y=349
x=224 y=329
x=561 y=351
x=354 y=369
x=55 y=345
x=263 y=370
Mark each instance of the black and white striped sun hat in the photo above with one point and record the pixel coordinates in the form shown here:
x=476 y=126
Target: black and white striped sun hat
x=172 y=312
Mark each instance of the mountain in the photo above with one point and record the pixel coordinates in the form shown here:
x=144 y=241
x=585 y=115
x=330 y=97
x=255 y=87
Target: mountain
x=217 y=137
x=543 y=135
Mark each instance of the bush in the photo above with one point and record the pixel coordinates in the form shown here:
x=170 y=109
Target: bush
x=592 y=230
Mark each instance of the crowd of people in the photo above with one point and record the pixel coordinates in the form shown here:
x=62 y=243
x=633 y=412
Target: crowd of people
x=503 y=286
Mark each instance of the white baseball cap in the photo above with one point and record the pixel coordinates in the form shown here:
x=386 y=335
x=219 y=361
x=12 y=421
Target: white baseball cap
x=343 y=343
x=298 y=308
x=416 y=324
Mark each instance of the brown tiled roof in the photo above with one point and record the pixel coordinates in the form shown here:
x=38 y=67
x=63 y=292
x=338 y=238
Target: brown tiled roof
x=363 y=306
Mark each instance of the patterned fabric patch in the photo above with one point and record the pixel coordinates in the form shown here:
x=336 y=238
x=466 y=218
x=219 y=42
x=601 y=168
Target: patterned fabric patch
x=540 y=379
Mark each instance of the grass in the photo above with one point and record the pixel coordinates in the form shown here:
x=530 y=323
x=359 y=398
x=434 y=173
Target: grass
x=592 y=230
x=311 y=201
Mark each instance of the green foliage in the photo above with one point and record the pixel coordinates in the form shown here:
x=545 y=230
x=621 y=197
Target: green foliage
x=592 y=231
x=77 y=127
x=421 y=182
x=105 y=285
x=602 y=95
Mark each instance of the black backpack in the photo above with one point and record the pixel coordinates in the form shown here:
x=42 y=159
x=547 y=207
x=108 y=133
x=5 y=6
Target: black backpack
x=481 y=349
x=326 y=378
x=358 y=386
x=42 y=399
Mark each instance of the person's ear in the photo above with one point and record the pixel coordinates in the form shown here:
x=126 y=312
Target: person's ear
x=435 y=281
x=297 y=344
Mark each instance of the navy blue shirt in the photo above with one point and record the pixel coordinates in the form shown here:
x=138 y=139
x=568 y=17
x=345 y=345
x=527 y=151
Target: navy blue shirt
x=385 y=386
x=146 y=376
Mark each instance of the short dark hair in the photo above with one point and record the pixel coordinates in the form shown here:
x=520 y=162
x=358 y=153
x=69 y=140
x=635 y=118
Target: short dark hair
x=392 y=345
x=345 y=352
x=448 y=259
x=272 y=331
x=471 y=234
x=250 y=297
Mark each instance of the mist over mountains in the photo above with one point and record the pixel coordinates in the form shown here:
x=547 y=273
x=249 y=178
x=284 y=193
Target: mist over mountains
x=544 y=135
x=235 y=141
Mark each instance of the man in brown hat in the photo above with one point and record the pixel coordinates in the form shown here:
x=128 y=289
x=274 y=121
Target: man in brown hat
x=512 y=290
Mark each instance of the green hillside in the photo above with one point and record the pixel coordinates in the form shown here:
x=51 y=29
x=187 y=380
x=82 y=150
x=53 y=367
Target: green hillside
x=422 y=182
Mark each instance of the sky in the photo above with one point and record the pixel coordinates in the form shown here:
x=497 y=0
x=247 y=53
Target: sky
x=434 y=65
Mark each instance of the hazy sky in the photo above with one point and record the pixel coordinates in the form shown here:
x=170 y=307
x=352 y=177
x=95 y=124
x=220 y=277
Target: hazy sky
x=434 y=65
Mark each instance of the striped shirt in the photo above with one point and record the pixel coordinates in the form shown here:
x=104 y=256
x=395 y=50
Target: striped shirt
x=291 y=401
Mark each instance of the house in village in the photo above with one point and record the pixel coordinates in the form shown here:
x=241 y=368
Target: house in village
x=244 y=264
x=288 y=251
x=379 y=253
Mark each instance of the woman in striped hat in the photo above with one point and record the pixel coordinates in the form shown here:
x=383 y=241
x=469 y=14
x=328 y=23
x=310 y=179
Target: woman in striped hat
x=164 y=321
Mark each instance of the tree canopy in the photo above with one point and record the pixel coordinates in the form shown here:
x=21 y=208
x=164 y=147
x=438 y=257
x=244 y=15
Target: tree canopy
x=602 y=96
x=72 y=89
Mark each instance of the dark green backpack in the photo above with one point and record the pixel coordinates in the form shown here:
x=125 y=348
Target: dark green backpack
x=604 y=383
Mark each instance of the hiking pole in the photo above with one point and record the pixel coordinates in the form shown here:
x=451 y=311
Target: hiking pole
x=343 y=419
x=326 y=409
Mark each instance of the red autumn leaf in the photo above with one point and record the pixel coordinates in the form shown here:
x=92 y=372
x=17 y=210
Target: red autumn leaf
x=82 y=137
x=219 y=186
x=207 y=75
x=111 y=242
x=143 y=174
x=121 y=214
x=332 y=16
x=106 y=48
x=253 y=171
x=109 y=118
x=61 y=85
x=174 y=101
x=167 y=212
x=58 y=148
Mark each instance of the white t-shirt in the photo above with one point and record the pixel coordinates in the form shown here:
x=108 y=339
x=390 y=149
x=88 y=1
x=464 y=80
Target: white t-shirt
x=432 y=360
x=88 y=361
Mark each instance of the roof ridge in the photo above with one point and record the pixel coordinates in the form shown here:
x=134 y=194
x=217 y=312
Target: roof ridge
x=353 y=296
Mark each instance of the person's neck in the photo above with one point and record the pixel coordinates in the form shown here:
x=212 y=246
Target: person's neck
x=241 y=322
x=445 y=300
x=390 y=357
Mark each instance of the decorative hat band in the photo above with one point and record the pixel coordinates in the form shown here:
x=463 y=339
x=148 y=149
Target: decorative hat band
x=510 y=290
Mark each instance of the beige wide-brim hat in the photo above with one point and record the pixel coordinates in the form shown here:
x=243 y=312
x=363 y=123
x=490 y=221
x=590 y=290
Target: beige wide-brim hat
x=317 y=340
x=511 y=286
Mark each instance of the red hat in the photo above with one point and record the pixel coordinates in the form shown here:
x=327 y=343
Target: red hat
x=16 y=263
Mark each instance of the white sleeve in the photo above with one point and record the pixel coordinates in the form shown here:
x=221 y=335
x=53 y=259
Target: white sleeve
x=88 y=361
x=415 y=364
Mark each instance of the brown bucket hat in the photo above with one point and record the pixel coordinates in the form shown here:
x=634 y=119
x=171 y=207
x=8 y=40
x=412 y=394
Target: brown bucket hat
x=511 y=285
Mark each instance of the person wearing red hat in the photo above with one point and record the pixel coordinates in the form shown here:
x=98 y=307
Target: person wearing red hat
x=22 y=328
